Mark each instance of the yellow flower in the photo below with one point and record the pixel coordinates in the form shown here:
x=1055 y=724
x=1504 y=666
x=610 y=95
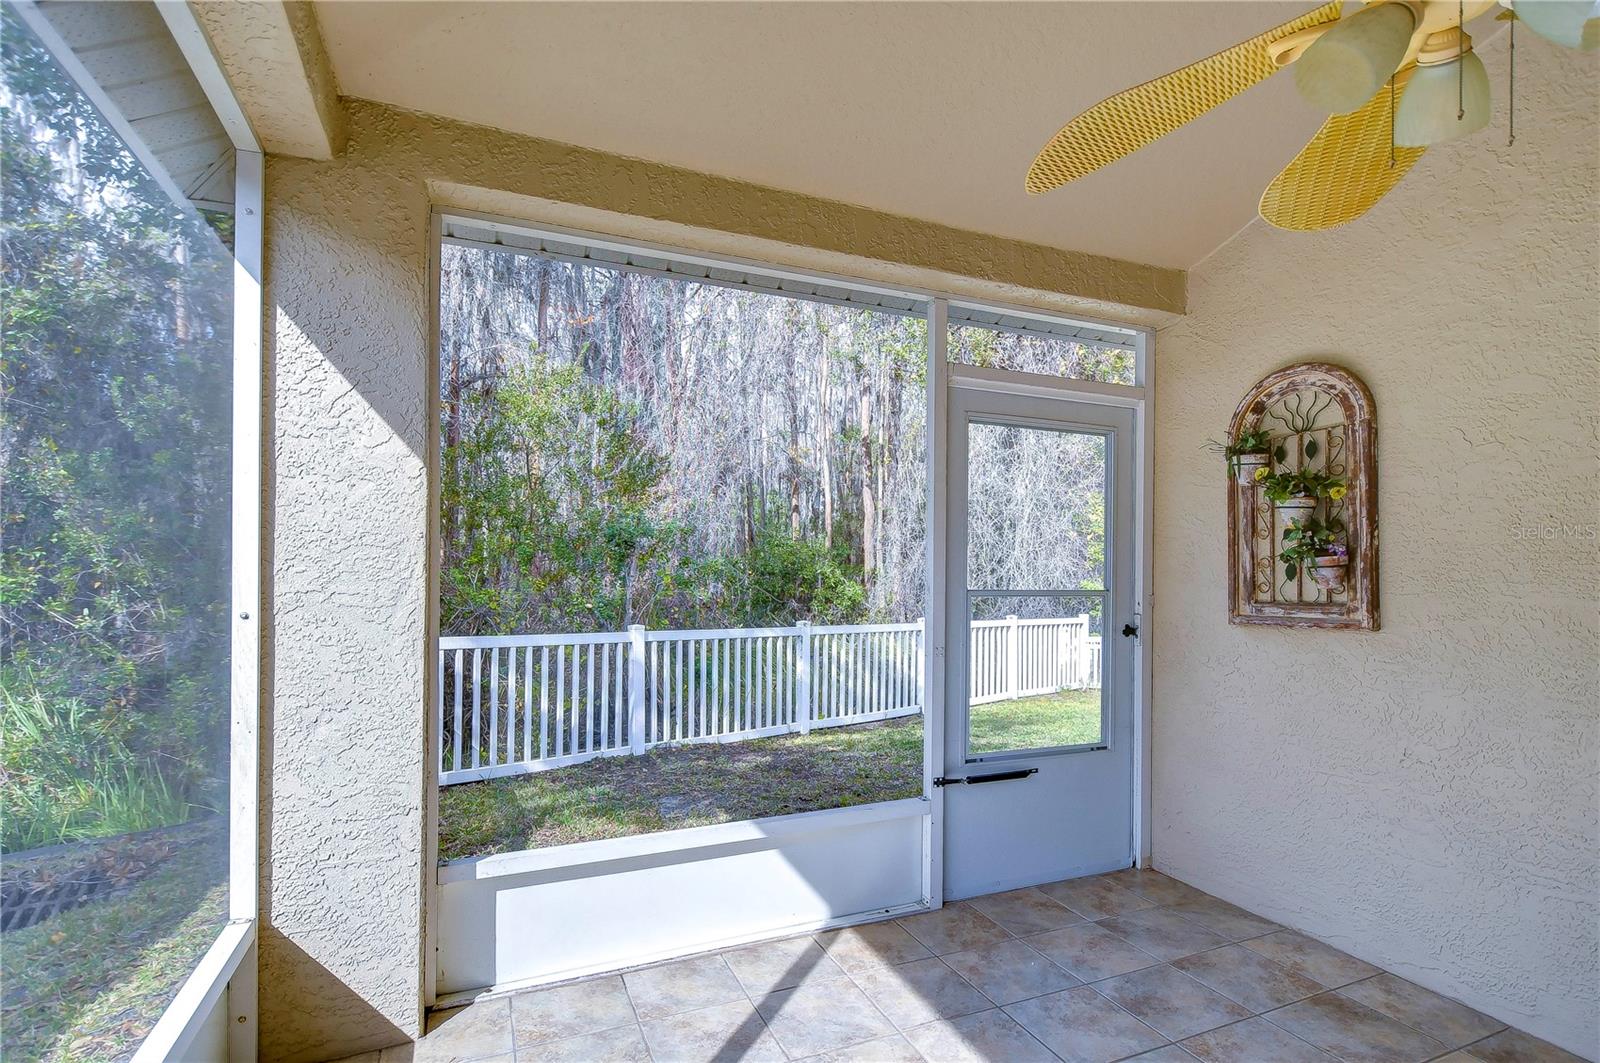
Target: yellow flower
x=1261 y=473
x=1337 y=491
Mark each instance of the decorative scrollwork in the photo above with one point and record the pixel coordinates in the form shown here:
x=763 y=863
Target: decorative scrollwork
x=1318 y=418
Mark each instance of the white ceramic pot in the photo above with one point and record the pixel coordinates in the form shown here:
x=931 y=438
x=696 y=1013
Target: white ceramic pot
x=1246 y=465
x=1328 y=572
x=1294 y=510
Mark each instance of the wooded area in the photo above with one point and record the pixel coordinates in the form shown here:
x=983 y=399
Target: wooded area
x=622 y=448
x=627 y=448
x=115 y=457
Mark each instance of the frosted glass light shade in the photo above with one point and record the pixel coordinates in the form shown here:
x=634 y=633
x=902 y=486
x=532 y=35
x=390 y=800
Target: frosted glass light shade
x=1572 y=23
x=1427 y=111
x=1346 y=65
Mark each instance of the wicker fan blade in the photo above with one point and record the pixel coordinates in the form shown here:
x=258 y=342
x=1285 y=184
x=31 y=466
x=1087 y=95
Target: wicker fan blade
x=1344 y=170
x=1122 y=124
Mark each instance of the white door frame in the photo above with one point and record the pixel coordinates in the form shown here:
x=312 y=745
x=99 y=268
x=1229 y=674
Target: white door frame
x=942 y=377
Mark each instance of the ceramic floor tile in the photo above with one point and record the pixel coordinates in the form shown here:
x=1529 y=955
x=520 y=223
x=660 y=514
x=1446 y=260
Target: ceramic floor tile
x=1161 y=933
x=568 y=1010
x=1310 y=957
x=920 y=992
x=1164 y=1054
x=871 y=945
x=822 y=1016
x=1089 y=952
x=1354 y=1032
x=1009 y=972
x=1153 y=885
x=1437 y=1016
x=894 y=1049
x=1081 y=1026
x=1026 y=911
x=622 y=1045
x=474 y=1032
x=1248 y=977
x=725 y=1034
x=1220 y=917
x=954 y=928
x=686 y=985
x=1514 y=1046
x=1095 y=898
x=1253 y=1041
x=987 y=1037
x=1170 y=1002
x=773 y=965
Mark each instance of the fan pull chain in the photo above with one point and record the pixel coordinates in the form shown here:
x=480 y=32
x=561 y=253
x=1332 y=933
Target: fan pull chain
x=1391 y=121
x=1461 y=60
x=1511 y=86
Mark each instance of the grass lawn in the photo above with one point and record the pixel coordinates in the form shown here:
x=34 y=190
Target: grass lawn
x=691 y=786
x=1070 y=718
x=90 y=983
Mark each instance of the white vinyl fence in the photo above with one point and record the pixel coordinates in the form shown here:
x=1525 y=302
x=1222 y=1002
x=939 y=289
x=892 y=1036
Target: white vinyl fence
x=510 y=704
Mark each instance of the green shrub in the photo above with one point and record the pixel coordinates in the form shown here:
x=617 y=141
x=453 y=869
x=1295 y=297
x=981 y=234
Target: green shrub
x=68 y=775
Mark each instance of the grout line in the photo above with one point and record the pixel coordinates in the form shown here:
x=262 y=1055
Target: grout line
x=754 y=1008
x=1263 y=1016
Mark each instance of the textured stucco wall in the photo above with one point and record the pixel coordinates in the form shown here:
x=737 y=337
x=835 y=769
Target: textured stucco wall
x=273 y=56
x=345 y=720
x=1424 y=797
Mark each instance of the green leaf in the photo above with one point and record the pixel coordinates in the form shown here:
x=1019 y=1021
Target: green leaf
x=1289 y=569
x=1280 y=452
x=1311 y=449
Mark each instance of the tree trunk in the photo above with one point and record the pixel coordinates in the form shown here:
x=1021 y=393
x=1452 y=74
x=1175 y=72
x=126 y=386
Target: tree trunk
x=869 y=512
x=825 y=437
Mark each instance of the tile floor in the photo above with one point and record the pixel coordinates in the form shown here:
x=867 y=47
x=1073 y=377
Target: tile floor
x=1130 y=965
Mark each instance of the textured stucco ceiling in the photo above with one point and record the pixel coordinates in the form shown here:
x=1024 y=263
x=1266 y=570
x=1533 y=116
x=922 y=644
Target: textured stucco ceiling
x=927 y=110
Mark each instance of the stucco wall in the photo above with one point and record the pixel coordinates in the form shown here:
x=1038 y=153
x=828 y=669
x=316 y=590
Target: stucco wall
x=345 y=733
x=1424 y=797
x=345 y=717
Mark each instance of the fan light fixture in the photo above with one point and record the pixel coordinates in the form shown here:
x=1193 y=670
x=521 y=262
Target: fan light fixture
x=1351 y=61
x=1395 y=76
x=1448 y=96
x=1570 y=23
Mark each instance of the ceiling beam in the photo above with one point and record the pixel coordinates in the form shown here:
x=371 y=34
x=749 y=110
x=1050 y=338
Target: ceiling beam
x=273 y=56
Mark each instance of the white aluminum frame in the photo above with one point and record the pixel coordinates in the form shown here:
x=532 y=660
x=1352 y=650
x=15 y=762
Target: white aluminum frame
x=941 y=376
x=223 y=986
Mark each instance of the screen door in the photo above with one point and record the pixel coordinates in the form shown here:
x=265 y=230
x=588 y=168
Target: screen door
x=1038 y=768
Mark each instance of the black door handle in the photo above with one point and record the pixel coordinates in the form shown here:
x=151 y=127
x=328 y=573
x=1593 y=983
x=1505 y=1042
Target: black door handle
x=996 y=776
x=1129 y=631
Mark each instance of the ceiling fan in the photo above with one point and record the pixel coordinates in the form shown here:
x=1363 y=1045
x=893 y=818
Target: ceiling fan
x=1394 y=76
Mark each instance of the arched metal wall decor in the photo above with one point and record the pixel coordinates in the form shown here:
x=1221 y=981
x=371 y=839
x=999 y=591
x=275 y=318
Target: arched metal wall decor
x=1318 y=419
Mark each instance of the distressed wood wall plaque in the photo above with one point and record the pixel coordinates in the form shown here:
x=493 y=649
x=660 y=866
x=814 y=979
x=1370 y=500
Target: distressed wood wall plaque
x=1319 y=418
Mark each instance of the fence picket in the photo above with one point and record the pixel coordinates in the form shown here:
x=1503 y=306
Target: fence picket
x=511 y=706
x=557 y=724
x=477 y=703
x=544 y=703
x=456 y=736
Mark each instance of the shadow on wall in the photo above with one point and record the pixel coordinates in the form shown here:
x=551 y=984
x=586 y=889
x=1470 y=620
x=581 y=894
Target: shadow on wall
x=303 y=1034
